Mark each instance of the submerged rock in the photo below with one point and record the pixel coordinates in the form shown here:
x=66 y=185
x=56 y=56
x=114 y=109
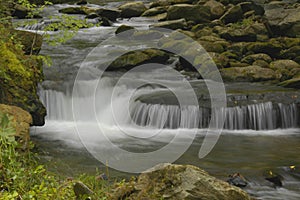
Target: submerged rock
x=237 y=180
x=123 y=28
x=169 y=181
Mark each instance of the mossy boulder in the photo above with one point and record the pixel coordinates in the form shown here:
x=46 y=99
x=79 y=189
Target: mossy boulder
x=74 y=10
x=217 y=9
x=171 y=24
x=20 y=120
x=287 y=68
x=254 y=57
x=111 y=14
x=290 y=53
x=132 y=9
x=249 y=74
x=272 y=48
x=139 y=57
x=123 y=28
x=232 y=15
x=195 y=13
x=291 y=83
x=32 y=42
x=154 y=11
x=169 y=181
x=246 y=34
x=252 y=6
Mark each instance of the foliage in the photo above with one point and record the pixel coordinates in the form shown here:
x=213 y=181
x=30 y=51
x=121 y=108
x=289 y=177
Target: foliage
x=23 y=178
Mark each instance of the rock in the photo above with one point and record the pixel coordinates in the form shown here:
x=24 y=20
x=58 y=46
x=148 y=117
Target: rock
x=220 y=60
x=195 y=13
x=217 y=9
x=123 y=28
x=21 y=75
x=284 y=21
x=171 y=24
x=212 y=44
x=111 y=14
x=147 y=34
x=270 y=48
x=21 y=121
x=105 y=21
x=239 y=34
x=232 y=15
x=276 y=179
x=73 y=10
x=290 y=53
x=135 y=58
x=291 y=83
x=132 y=9
x=82 y=2
x=250 y=74
x=237 y=180
x=254 y=57
x=81 y=190
x=169 y=181
x=238 y=48
x=261 y=63
x=92 y=16
x=235 y=63
x=287 y=68
x=154 y=11
x=159 y=3
x=251 y=6
x=21 y=12
x=32 y=42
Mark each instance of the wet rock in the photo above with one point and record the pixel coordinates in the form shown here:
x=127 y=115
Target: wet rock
x=213 y=44
x=251 y=73
x=21 y=12
x=251 y=6
x=276 y=179
x=159 y=3
x=195 y=13
x=147 y=35
x=132 y=9
x=217 y=9
x=171 y=24
x=123 y=28
x=135 y=58
x=239 y=34
x=232 y=15
x=184 y=182
x=154 y=11
x=290 y=53
x=74 y=10
x=21 y=121
x=237 y=180
x=82 y=2
x=81 y=190
x=254 y=57
x=111 y=14
x=291 y=83
x=92 y=16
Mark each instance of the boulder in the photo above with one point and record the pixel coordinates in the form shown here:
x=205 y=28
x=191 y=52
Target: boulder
x=254 y=57
x=132 y=9
x=32 y=42
x=159 y=3
x=284 y=21
x=135 y=58
x=249 y=74
x=21 y=12
x=252 y=6
x=232 y=15
x=111 y=14
x=20 y=120
x=82 y=2
x=195 y=13
x=239 y=34
x=287 y=68
x=217 y=9
x=290 y=53
x=123 y=28
x=291 y=83
x=74 y=10
x=154 y=11
x=171 y=24
x=169 y=181
x=271 y=48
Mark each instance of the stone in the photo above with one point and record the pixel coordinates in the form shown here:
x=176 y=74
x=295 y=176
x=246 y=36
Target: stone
x=217 y=9
x=287 y=68
x=139 y=57
x=21 y=121
x=195 y=13
x=81 y=190
x=171 y=24
x=237 y=180
x=147 y=34
x=92 y=16
x=232 y=15
x=170 y=181
x=252 y=6
x=21 y=12
x=254 y=57
x=249 y=74
x=111 y=14
x=261 y=63
x=271 y=48
x=123 y=28
x=291 y=83
x=132 y=9
x=290 y=53
x=154 y=11
x=284 y=21
x=32 y=42
x=239 y=34
x=73 y=10
x=82 y=2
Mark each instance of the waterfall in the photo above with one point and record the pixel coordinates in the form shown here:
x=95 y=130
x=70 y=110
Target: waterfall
x=260 y=116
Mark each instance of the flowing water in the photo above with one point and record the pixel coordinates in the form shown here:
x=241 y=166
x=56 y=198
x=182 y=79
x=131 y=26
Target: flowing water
x=260 y=130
